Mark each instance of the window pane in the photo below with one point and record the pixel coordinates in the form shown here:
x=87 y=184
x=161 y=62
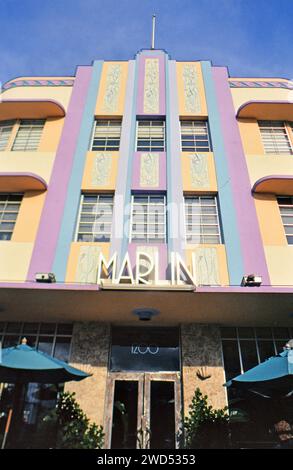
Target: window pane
x=245 y=332
x=48 y=328
x=29 y=134
x=9 y=208
x=11 y=340
x=95 y=218
x=231 y=359
x=151 y=136
x=195 y=136
x=46 y=344
x=107 y=135
x=274 y=137
x=249 y=354
x=201 y=220
x=266 y=349
x=148 y=218
x=5 y=132
x=62 y=348
x=228 y=332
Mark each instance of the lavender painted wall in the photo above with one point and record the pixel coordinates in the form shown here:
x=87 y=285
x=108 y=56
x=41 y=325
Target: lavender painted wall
x=160 y=55
x=136 y=180
x=50 y=223
x=247 y=222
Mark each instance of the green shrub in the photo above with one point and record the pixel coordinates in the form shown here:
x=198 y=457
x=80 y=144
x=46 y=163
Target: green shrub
x=74 y=428
x=205 y=427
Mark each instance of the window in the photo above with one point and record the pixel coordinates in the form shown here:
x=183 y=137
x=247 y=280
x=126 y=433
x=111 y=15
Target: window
x=106 y=135
x=29 y=134
x=95 y=218
x=52 y=338
x=195 y=136
x=286 y=210
x=148 y=218
x=245 y=347
x=202 y=220
x=9 y=208
x=5 y=132
x=150 y=136
x=275 y=137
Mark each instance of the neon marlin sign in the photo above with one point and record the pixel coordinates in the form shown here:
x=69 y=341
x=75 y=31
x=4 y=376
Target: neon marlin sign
x=146 y=269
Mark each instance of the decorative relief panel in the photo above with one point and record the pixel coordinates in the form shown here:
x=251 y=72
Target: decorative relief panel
x=149 y=170
x=87 y=265
x=101 y=169
x=151 y=99
x=113 y=86
x=207 y=268
x=199 y=171
x=191 y=93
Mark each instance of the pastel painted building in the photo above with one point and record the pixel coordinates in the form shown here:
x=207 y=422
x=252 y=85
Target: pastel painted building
x=149 y=188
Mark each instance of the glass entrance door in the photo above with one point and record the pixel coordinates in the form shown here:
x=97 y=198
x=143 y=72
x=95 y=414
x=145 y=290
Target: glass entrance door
x=143 y=411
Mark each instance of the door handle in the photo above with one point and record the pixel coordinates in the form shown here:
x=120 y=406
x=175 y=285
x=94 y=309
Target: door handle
x=144 y=434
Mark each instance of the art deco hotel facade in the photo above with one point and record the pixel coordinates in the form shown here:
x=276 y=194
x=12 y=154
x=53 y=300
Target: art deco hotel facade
x=149 y=189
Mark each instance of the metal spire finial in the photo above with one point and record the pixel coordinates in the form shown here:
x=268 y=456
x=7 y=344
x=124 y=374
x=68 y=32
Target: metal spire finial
x=153 y=31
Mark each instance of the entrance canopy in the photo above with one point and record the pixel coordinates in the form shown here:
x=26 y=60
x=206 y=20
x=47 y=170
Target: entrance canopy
x=33 y=301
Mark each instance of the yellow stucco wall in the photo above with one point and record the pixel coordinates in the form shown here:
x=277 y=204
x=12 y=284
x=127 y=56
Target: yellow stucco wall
x=250 y=136
x=183 y=111
x=75 y=255
x=14 y=260
x=57 y=93
x=280 y=264
x=243 y=95
x=197 y=182
x=266 y=165
x=110 y=84
x=221 y=260
x=270 y=222
x=27 y=222
x=100 y=176
x=40 y=163
x=51 y=135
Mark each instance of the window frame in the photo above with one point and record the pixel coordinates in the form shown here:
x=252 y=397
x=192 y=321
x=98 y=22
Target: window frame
x=8 y=195
x=256 y=338
x=164 y=131
x=208 y=136
x=14 y=133
x=280 y=206
x=217 y=214
x=287 y=126
x=81 y=201
x=148 y=233
x=38 y=334
x=12 y=125
x=94 y=130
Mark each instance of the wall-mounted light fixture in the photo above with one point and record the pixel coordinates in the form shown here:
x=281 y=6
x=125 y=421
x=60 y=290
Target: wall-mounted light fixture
x=145 y=314
x=45 y=277
x=252 y=280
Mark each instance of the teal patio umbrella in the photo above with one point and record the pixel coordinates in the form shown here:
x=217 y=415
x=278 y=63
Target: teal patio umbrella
x=22 y=364
x=271 y=378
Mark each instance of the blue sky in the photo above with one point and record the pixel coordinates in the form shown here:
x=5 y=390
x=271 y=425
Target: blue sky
x=50 y=37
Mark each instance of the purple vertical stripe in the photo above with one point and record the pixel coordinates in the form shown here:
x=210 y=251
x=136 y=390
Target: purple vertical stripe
x=50 y=223
x=141 y=77
x=250 y=237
